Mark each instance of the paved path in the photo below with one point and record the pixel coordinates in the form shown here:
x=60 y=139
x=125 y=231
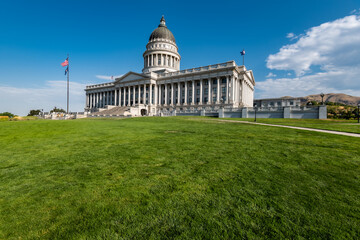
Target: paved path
x=300 y=128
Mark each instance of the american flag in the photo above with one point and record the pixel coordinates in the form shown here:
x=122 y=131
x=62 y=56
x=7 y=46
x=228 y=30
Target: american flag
x=65 y=63
x=242 y=52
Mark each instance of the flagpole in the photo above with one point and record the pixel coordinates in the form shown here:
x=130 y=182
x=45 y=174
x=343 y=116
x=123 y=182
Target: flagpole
x=68 y=72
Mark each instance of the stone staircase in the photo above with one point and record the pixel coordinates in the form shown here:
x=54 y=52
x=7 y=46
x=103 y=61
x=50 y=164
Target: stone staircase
x=113 y=111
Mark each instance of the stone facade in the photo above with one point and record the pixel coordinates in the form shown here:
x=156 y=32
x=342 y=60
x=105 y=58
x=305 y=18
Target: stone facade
x=163 y=87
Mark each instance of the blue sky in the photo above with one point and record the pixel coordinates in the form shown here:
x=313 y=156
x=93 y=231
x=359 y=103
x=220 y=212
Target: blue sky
x=294 y=48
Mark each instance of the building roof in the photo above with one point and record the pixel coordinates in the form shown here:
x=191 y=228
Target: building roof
x=162 y=32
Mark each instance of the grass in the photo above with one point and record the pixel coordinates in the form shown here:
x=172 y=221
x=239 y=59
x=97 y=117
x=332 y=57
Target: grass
x=175 y=178
x=328 y=124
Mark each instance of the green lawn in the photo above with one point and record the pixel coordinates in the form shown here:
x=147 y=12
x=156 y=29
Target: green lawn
x=175 y=178
x=327 y=124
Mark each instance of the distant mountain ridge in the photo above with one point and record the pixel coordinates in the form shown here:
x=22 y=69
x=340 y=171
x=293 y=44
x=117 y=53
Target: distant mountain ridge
x=333 y=97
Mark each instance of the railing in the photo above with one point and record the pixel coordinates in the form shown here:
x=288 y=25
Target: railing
x=199 y=69
x=110 y=84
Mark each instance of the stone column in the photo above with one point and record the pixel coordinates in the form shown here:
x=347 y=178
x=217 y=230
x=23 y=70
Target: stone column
x=209 y=93
x=150 y=94
x=166 y=95
x=134 y=93
x=193 y=92
x=128 y=96
x=144 y=96
x=232 y=89
x=124 y=95
x=155 y=95
x=218 y=90
x=227 y=89
x=179 y=94
x=115 y=97
x=172 y=95
x=201 y=92
x=160 y=95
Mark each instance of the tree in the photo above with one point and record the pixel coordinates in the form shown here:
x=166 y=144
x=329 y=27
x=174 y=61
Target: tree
x=10 y=115
x=34 y=112
x=58 y=110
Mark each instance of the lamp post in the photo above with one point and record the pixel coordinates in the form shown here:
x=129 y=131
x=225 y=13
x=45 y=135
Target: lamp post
x=358 y=112
x=322 y=98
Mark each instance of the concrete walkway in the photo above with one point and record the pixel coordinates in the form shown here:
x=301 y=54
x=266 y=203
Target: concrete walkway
x=299 y=128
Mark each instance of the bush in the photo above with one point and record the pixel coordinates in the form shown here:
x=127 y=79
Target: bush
x=58 y=110
x=34 y=112
x=10 y=115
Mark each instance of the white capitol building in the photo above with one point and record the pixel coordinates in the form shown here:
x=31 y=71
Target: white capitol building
x=163 y=88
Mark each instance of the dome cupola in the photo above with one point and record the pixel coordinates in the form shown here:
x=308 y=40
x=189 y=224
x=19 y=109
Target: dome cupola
x=161 y=51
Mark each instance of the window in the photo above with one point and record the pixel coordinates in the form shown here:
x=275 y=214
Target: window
x=190 y=92
x=279 y=104
x=167 y=60
x=197 y=100
x=215 y=81
x=291 y=103
x=206 y=82
x=214 y=99
x=214 y=90
x=223 y=89
x=190 y=99
x=198 y=84
x=197 y=91
x=205 y=99
x=183 y=92
x=159 y=59
x=206 y=91
x=223 y=80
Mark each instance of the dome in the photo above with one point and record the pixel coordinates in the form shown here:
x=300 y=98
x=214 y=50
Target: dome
x=162 y=32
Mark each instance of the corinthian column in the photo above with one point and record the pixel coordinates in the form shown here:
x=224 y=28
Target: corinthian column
x=218 y=90
x=193 y=92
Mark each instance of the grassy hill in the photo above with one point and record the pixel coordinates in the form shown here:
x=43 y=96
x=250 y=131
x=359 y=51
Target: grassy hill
x=175 y=178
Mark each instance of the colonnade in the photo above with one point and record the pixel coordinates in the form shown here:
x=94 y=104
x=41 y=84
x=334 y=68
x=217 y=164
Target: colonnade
x=219 y=90
x=158 y=59
x=123 y=96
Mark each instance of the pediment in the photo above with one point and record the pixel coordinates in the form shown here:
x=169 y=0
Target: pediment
x=131 y=76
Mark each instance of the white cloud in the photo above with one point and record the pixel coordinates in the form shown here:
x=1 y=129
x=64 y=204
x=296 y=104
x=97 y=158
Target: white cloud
x=331 y=44
x=104 y=77
x=325 y=59
x=21 y=100
x=270 y=75
x=290 y=35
